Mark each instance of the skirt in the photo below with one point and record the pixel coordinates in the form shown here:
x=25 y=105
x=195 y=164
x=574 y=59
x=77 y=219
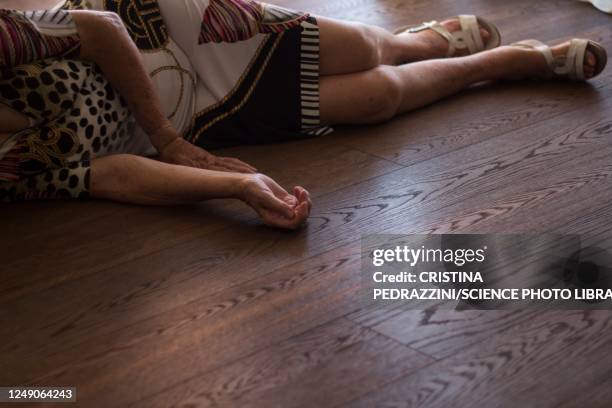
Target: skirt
x=257 y=69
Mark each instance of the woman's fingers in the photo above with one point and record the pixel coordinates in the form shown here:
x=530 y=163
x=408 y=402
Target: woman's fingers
x=208 y=161
x=303 y=196
x=279 y=191
x=279 y=206
x=239 y=162
x=221 y=166
x=291 y=200
x=239 y=168
x=274 y=220
x=302 y=212
x=216 y=167
x=236 y=165
x=186 y=154
x=300 y=216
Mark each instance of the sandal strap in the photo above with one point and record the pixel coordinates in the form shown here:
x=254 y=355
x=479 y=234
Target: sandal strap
x=544 y=50
x=415 y=29
x=467 y=38
x=575 y=59
x=471 y=31
x=571 y=65
x=453 y=45
x=440 y=29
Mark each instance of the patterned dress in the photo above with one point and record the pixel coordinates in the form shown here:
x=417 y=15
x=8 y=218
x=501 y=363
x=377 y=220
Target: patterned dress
x=227 y=71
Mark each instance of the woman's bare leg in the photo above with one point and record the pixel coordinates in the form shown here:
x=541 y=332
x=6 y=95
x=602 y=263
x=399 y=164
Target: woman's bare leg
x=383 y=92
x=347 y=47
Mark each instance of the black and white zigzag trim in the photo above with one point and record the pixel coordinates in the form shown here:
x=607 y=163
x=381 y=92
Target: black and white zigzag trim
x=309 y=81
x=52 y=22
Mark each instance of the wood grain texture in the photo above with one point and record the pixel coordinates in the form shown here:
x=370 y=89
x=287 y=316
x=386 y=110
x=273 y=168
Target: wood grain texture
x=532 y=365
x=324 y=366
x=178 y=342
x=201 y=306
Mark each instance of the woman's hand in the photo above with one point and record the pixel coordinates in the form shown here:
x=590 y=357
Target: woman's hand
x=275 y=206
x=180 y=151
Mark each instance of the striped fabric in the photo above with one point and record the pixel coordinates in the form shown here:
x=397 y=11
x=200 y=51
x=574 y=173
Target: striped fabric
x=239 y=20
x=26 y=37
x=9 y=164
x=309 y=81
x=277 y=19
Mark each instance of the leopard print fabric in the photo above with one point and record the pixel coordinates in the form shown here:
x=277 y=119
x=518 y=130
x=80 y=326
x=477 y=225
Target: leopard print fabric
x=76 y=116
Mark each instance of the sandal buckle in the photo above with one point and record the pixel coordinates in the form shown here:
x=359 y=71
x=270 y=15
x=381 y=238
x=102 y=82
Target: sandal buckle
x=422 y=27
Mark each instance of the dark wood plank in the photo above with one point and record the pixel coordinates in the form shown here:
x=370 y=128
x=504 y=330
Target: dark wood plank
x=168 y=348
x=533 y=364
x=325 y=366
x=441 y=333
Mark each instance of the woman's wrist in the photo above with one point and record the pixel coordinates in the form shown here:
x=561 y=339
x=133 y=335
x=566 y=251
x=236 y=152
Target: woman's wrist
x=220 y=184
x=163 y=137
x=240 y=186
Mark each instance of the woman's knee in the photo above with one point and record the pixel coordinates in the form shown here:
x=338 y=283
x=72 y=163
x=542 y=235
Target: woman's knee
x=373 y=49
x=371 y=96
x=348 y=43
x=386 y=94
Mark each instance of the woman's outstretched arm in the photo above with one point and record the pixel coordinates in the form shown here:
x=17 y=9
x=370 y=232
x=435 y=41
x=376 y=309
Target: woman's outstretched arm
x=139 y=180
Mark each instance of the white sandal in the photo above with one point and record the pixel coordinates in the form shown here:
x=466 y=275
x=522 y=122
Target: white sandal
x=572 y=64
x=468 y=38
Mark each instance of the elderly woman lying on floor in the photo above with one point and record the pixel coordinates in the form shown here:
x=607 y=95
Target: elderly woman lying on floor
x=89 y=89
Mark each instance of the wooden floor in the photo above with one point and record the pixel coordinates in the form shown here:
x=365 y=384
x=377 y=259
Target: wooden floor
x=202 y=306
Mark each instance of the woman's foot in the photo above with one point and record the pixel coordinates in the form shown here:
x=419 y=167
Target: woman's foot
x=433 y=45
x=518 y=62
x=560 y=50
